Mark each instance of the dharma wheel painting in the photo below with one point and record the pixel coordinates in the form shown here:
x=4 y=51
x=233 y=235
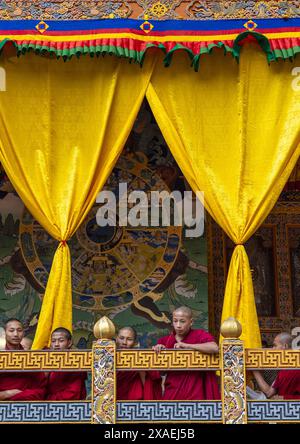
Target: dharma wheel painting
x=112 y=267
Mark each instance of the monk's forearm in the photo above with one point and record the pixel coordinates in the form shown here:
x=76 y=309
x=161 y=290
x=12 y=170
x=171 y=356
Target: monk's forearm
x=263 y=385
x=3 y=395
x=29 y=395
x=8 y=394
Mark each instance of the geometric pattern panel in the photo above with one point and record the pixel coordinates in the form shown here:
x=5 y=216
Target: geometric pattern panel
x=180 y=411
x=47 y=412
x=279 y=411
x=46 y=360
x=168 y=359
x=126 y=359
x=143 y=359
x=143 y=411
x=288 y=359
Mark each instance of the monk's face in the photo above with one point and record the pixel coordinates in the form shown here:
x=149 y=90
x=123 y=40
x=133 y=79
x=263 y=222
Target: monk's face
x=14 y=334
x=125 y=339
x=181 y=323
x=278 y=345
x=59 y=341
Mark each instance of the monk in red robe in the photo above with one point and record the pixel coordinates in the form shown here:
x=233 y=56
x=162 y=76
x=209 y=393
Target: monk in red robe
x=287 y=382
x=188 y=385
x=19 y=386
x=64 y=385
x=135 y=385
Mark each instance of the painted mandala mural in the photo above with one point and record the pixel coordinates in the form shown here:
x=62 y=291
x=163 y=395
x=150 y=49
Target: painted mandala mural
x=112 y=267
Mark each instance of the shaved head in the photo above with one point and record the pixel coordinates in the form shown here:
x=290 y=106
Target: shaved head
x=285 y=339
x=182 y=321
x=14 y=333
x=61 y=339
x=184 y=310
x=12 y=320
x=126 y=338
x=65 y=331
x=131 y=329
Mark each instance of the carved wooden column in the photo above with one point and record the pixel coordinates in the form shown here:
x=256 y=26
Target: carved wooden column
x=234 y=403
x=104 y=373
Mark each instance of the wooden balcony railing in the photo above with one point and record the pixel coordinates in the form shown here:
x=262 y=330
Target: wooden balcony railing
x=104 y=360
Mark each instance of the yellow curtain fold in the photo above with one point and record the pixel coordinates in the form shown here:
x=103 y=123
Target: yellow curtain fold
x=62 y=128
x=234 y=130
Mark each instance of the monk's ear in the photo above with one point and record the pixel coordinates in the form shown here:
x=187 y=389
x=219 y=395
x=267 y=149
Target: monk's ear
x=192 y=321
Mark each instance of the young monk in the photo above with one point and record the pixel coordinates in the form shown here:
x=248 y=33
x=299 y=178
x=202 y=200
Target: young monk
x=19 y=386
x=134 y=385
x=190 y=384
x=287 y=382
x=64 y=385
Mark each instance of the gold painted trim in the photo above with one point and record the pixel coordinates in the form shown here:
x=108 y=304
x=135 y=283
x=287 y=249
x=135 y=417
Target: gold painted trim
x=273 y=359
x=126 y=360
x=45 y=360
x=142 y=360
x=166 y=360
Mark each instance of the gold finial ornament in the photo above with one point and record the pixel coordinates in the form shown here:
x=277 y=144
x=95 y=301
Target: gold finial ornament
x=104 y=328
x=231 y=328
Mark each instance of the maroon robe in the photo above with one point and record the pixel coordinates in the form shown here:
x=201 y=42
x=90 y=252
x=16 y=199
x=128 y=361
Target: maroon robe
x=152 y=386
x=65 y=386
x=191 y=384
x=287 y=384
x=131 y=388
x=31 y=384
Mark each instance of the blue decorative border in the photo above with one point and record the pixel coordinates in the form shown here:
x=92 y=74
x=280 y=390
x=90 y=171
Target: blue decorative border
x=134 y=411
x=145 y=411
x=160 y=25
x=179 y=9
x=46 y=412
x=179 y=411
x=272 y=411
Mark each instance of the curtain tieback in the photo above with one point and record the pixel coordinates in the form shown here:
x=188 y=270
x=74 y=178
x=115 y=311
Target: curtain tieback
x=63 y=242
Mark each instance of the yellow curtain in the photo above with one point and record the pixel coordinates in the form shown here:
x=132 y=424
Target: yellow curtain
x=234 y=131
x=62 y=128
